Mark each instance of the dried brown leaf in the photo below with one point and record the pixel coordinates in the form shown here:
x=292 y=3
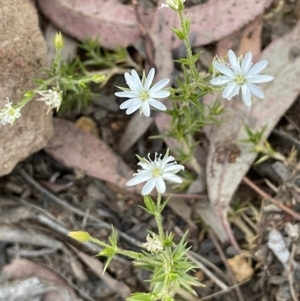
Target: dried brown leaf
x=81 y=150
x=115 y=23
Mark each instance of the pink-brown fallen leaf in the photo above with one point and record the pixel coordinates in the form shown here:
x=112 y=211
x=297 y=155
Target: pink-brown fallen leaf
x=81 y=150
x=248 y=39
x=228 y=158
x=115 y=24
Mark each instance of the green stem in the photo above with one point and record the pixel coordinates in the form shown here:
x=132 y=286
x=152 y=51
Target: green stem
x=158 y=219
x=188 y=48
x=56 y=61
x=130 y=254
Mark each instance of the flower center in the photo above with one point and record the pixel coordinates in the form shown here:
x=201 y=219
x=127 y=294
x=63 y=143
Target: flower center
x=156 y=172
x=240 y=80
x=144 y=95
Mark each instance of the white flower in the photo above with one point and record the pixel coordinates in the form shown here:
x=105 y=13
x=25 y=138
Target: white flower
x=155 y=172
x=241 y=75
x=174 y=4
x=141 y=95
x=51 y=98
x=9 y=113
x=153 y=244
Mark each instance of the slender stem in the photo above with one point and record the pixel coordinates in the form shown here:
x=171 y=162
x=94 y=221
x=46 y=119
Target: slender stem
x=272 y=200
x=56 y=61
x=130 y=254
x=188 y=48
x=158 y=219
x=99 y=242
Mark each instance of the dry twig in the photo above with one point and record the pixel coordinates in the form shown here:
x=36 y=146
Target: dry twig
x=272 y=200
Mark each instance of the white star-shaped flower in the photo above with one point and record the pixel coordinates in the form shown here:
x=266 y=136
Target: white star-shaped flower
x=241 y=75
x=52 y=98
x=9 y=113
x=141 y=96
x=154 y=173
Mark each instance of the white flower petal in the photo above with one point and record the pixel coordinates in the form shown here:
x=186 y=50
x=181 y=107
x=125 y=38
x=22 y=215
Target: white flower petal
x=148 y=187
x=247 y=62
x=234 y=62
x=146 y=108
x=129 y=102
x=159 y=94
x=224 y=69
x=255 y=90
x=132 y=108
x=258 y=67
x=230 y=90
x=220 y=80
x=136 y=81
x=172 y=178
x=130 y=94
x=157 y=104
x=173 y=168
x=137 y=180
x=129 y=81
x=149 y=79
x=159 y=85
x=260 y=78
x=246 y=95
x=160 y=185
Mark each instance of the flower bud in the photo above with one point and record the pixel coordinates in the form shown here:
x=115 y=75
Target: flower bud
x=81 y=236
x=58 y=41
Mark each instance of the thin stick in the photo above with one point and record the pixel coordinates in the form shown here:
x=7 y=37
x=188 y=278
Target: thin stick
x=272 y=200
x=224 y=292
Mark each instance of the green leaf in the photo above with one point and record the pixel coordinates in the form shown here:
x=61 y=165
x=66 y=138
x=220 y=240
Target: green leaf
x=109 y=259
x=150 y=205
x=108 y=251
x=180 y=35
x=183 y=61
x=163 y=205
x=187 y=24
x=113 y=237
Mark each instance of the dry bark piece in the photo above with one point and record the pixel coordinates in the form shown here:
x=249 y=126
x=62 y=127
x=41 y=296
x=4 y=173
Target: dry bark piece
x=22 y=59
x=115 y=23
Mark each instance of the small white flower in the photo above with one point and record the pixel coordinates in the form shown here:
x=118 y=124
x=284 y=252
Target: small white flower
x=155 y=172
x=241 y=75
x=51 y=98
x=9 y=113
x=141 y=95
x=153 y=244
x=174 y=4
